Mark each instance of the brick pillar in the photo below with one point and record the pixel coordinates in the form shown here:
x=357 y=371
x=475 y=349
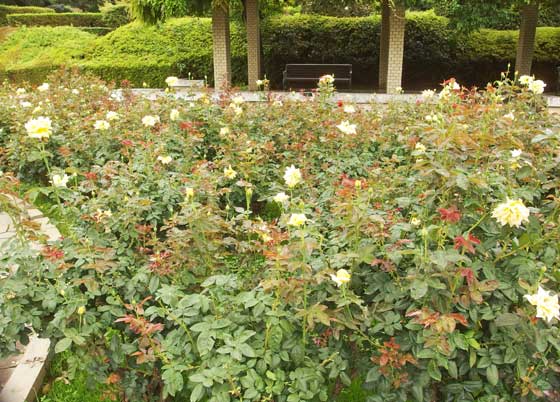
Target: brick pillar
x=395 y=53
x=384 y=44
x=253 y=43
x=526 y=41
x=221 y=47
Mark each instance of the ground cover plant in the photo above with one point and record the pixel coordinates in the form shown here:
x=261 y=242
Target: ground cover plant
x=286 y=250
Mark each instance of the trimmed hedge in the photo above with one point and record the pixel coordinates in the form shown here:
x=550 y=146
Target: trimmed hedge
x=28 y=53
x=150 y=53
x=181 y=46
x=5 y=10
x=63 y=19
x=99 y=31
x=433 y=51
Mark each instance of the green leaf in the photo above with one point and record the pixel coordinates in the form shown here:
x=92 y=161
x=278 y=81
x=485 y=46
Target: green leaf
x=433 y=371
x=510 y=355
x=346 y=380
x=540 y=342
x=418 y=392
x=204 y=343
x=197 y=393
x=472 y=358
x=492 y=374
x=418 y=289
x=484 y=362
x=293 y=398
x=426 y=354
x=373 y=375
x=452 y=369
x=507 y=320
x=173 y=381
x=474 y=343
x=62 y=345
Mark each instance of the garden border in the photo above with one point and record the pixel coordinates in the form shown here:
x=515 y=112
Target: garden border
x=26 y=379
x=360 y=98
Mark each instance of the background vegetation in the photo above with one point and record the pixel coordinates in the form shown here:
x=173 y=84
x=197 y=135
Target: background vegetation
x=149 y=54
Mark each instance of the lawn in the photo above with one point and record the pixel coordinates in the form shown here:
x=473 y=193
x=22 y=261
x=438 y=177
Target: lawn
x=287 y=250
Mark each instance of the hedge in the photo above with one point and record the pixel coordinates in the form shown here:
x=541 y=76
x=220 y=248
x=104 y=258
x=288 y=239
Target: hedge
x=182 y=46
x=28 y=52
x=99 y=31
x=432 y=50
x=5 y=10
x=63 y=19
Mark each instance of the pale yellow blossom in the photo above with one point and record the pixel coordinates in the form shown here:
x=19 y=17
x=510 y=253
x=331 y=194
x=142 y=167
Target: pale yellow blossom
x=511 y=212
x=342 y=277
x=292 y=176
x=41 y=127
x=546 y=303
x=297 y=220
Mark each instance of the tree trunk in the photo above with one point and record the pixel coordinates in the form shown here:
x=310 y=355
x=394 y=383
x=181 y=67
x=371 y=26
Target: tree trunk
x=253 y=43
x=526 y=41
x=221 y=48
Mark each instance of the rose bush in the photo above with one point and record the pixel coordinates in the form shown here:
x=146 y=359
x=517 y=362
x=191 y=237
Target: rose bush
x=278 y=251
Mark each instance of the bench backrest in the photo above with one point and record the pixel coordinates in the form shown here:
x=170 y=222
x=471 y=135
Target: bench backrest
x=318 y=70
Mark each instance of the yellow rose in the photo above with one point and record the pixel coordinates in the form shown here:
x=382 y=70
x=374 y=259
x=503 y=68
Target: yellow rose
x=297 y=220
x=342 y=276
x=511 y=212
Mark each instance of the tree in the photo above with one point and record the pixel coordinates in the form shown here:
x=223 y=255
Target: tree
x=156 y=11
x=469 y=15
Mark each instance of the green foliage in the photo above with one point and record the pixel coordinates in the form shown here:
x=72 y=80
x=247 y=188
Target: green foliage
x=155 y=11
x=5 y=10
x=473 y=15
x=44 y=47
x=149 y=54
x=99 y=31
x=432 y=50
x=338 y=8
x=63 y=19
x=80 y=389
x=116 y=16
x=175 y=280
x=135 y=52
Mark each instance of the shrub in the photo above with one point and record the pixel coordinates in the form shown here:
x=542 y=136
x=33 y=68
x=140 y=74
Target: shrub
x=71 y=19
x=183 y=274
x=30 y=53
x=432 y=51
x=116 y=16
x=99 y=31
x=5 y=10
x=135 y=52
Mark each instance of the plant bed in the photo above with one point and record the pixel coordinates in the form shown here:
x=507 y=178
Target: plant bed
x=289 y=250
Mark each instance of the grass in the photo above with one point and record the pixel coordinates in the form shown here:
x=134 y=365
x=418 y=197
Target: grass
x=58 y=389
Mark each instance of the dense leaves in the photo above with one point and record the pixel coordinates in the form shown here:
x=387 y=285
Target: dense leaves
x=184 y=272
x=183 y=47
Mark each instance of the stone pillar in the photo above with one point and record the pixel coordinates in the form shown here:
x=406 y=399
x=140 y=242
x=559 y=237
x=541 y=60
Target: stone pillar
x=395 y=53
x=384 y=44
x=526 y=41
x=221 y=47
x=253 y=43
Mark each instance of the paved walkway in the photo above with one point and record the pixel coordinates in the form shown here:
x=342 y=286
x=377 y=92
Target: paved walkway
x=33 y=216
x=360 y=98
x=21 y=375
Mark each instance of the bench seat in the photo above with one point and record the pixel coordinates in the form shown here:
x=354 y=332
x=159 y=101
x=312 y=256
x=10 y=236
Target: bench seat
x=307 y=76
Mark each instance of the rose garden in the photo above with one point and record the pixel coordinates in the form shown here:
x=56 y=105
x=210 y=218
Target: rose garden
x=286 y=248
